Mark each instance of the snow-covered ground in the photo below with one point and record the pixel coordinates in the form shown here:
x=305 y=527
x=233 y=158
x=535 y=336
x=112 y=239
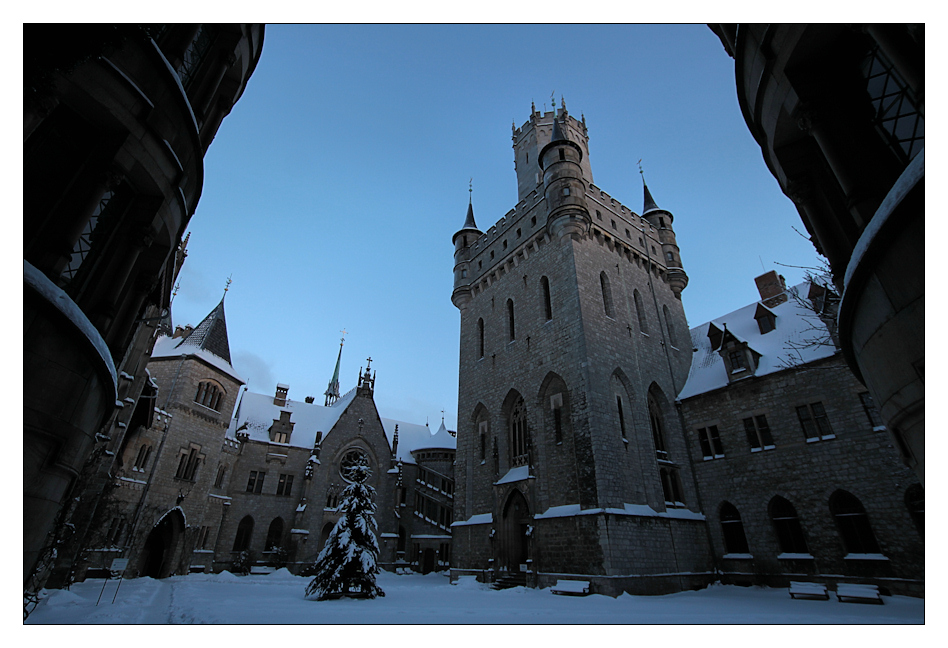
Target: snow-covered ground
x=416 y=599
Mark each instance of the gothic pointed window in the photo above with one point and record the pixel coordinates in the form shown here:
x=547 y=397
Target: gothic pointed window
x=547 y=302
x=511 y=330
x=274 y=535
x=480 y=338
x=518 y=434
x=735 y=541
x=244 y=532
x=658 y=433
x=853 y=523
x=86 y=240
x=787 y=527
x=640 y=311
x=606 y=295
x=915 y=503
x=672 y=333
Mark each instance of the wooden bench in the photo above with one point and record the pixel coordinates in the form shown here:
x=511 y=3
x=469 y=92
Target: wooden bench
x=808 y=590
x=858 y=593
x=571 y=588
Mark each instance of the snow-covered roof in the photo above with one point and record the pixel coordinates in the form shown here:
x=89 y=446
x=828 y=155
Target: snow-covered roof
x=779 y=349
x=166 y=347
x=440 y=440
x=256 y=414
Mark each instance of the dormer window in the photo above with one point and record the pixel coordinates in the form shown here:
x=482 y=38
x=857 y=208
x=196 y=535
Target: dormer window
x=766 y=320
x=740 y=360
x=282 y=428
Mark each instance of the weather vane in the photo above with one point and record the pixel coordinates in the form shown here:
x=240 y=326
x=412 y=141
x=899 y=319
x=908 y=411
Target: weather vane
x=227 y=287
x=343 y=339
x=553 y=100
x=470 y=187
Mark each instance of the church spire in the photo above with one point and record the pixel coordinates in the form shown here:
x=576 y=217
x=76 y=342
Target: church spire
x=332 y=392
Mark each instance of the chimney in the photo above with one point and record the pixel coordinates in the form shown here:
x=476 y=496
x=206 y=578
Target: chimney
x=182 y=331
x=772 y=288
x=280 y=398
x=310 y=399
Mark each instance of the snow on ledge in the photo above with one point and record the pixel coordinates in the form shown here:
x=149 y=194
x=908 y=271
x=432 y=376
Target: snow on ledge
x=480 y=518
x=634 y=510
x=61 y=302
x=795 y=556
x=514 y=475
x=737 y=556
x=864 y=556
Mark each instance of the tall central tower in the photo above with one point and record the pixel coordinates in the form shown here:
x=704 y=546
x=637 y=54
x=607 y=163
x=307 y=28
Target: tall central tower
x=573 y=347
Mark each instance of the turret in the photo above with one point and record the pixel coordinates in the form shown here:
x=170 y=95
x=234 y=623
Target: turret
x=463 y=239
x=662 y=220
x=536 y=133
x=564 y=185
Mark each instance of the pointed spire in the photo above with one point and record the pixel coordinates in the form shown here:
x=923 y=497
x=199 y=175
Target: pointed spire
x=469 y=221
x=557 y=131
x=211 y=334
x=649 y=202
x=332 y=391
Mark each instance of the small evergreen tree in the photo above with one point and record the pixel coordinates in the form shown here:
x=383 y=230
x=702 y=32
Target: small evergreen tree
x=347 y=564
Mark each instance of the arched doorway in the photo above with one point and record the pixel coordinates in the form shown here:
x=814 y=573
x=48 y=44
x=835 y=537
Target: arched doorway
x=162 y=546
x=513 y=547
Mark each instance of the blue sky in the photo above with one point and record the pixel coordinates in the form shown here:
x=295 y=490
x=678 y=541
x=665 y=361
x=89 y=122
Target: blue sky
x=334 y=186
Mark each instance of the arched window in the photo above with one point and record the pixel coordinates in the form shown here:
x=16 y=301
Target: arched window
x=640 y=311
x=672 y=334
x=658 y=432
x=144 y=452
x=606 y=295
x=480 y=338
x=518 y=434
x=244 y=532
x=547 y=303
x=853 y=523
x=915 y=503
x=735 y=542
x=510 y=320
x=274 y=535
x=787 y=526
x=209 y=395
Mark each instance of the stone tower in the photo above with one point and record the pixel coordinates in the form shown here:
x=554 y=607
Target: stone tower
x=574 y=344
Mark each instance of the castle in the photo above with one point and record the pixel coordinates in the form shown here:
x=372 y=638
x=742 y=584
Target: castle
x=590 y=443
x=598 y=438
x=198 y=490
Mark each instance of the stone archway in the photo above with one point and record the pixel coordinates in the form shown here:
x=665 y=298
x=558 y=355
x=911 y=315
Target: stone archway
x=162 y=548
x=513 y=540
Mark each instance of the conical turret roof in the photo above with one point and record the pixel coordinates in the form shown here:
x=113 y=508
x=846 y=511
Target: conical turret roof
x=469 y=221
x=649 y=201
x=211 y=334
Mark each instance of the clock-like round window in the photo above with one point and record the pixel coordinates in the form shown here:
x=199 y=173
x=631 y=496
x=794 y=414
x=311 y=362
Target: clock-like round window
x=352 y=458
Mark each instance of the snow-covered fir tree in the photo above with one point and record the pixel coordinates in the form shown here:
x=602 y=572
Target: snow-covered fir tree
x=347 y=564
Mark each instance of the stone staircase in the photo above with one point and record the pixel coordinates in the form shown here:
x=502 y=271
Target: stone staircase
x=511 y=579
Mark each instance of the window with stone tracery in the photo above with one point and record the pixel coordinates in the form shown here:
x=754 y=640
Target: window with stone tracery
x=518 y=434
